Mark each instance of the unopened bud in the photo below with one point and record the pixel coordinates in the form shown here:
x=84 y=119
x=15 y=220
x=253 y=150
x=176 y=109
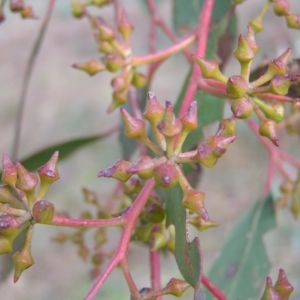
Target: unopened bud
x=166 y=175
x=201 y=224
x=283 y=286
x=118 y=99
x=117 y=171
x=278 y=66
x=227 y=127
x=132 y=186
x=237 y=86
x=77 y=10
x=17 y=5
x=293 y=21
x=175 y=287
x=221 y=141
x=155 y=213
x=106 y=33
x=143 y=167
x=6 y=195
x=281 y=7
x=9 y=174
x=134 y=128
x=9 y=226
x=125 y=27
x=138 y=80
x=105 y=47
x=243 y=53
x=269 y=292
x=251 y=40
x=143 y=232
x=153 y=112
x=5 y=245
x=268 y=129
x=280 y=84
x=118 y=84
x=208 y=155
x=26 y=181
x=113 y=63
x=28 y=13
x=273 y=111
x=43 y=211
x=242 y=108
x=158 y=241
x=257 y=23
x=189 y=120
x=92 y=67
x=209 y=68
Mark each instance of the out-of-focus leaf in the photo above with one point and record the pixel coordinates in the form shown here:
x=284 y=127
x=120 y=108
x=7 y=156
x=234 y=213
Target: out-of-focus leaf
x=65 y=149
x=242 y=266
x=187 y=254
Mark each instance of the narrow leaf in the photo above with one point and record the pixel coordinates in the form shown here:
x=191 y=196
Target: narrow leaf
x=242 y=267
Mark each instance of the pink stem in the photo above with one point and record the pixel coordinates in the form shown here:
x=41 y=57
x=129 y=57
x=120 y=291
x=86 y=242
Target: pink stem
x=130 y=218
x=277 y=97
x=212 y=288
x=134 y=292
x=202 y=29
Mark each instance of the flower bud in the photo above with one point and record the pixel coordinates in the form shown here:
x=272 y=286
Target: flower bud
x=158 y=241
x=92 y=67
x=143 y=232
x=273 y=111
x=280 y=84
x=132 y=186
x=242 y=108
x=153 y=112
x=5 y=245
x=209 y=68
x=125 y=27
x=237 y=86
x=6 y=195
x=98 y=259
x=17 y=5
x=166 y=175
x=118 y=99
x=9 y=174
x=208 y=155
x=169 y=126
x=138 y=80
x=269 y=292
x=194 y=201
x=113 y=63
x=251 y=40
x=48 y=174
x=117 y=171
x=268 y=129
x=105 y=47
x=22 y=261
x=26 y=181
x=155 y=213
x=175 y=287
x=281 y=7
x=278 y=66
x=143 y=167
x=283 y=286
x=9 y=226
x=257 y=23
x=243 y=53
x=227 y=127
x=28 y=13
x=293 y=21
x=134 y=128
x=77 y=10
x=43 y=211
x=106 y=33
x=201 y=224
x=118 y=84
x=221 y=141
x=189 y=120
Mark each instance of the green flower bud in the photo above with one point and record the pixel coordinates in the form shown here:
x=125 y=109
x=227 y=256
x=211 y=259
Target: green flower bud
x=281 y=7
x=105 y=47
x=9 y=174
x=143 y=167
x=132 y=186
x=278 y=66
x=209 y=68
x=280 y=84
x=293 y=21
x=113 y=63
x=269 y=292
x=77 y=10
x=28 y=13
x=242 y=108
x=201 y=224
x=98 y=259
x=166 y=175
x=268 y=129
x=26 y=181
x=243 y=53
x=155 y=213
x=5 y=245
x=237 y=86
x=118 y=84
x=283 y=286
x=6 y=195
x=92 y=67
x=221 y=141
x=138 y=80
x=43 y=211
x=9 y=226
x=227 y=127
x=175 y=287
x=158 y=241
x=134 y=128
x=273 y=111
x=118 y=99
x=257 y=23
x=106 y=33
x=117 y=171
x=251 y=40
x=189 y=120
x=208 y=155
x=143 y=232
x=153 y=112
x=125 y=27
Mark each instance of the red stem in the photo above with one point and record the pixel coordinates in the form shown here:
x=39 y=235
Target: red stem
x=212 y=288
x=130 y=218
x=202 y=29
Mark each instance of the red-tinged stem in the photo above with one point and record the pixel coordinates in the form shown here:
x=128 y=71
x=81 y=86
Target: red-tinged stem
x=130 y=218
x=87 y=223
x=212 y=288
x=151 y=58
x=203 y=85
x=134 y=292
x=202 y=30
x=268 y=96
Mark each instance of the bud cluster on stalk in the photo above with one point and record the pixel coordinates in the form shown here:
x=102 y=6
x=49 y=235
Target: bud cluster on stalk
x=20 y=7
x=170 y=133
x=290 y=194
x=282 y=289
x=117 y=55
x=22 y=205
x=249 y=96
x=282 y=9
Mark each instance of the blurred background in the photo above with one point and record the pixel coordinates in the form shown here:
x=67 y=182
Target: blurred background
x=63 y=103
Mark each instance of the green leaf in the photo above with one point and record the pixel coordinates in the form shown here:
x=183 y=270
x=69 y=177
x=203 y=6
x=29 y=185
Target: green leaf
x=242 y=267
x=187 y=254
x=65 y=149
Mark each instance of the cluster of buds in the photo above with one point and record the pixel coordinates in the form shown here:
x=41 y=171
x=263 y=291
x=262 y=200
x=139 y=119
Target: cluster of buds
x=96 y=255
x=22 y=206
x=281 y=8
x=116 y=55
x=258 y=96
x=165 y=168
x=281 y=290
x=291 y=193
x=25 y=11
